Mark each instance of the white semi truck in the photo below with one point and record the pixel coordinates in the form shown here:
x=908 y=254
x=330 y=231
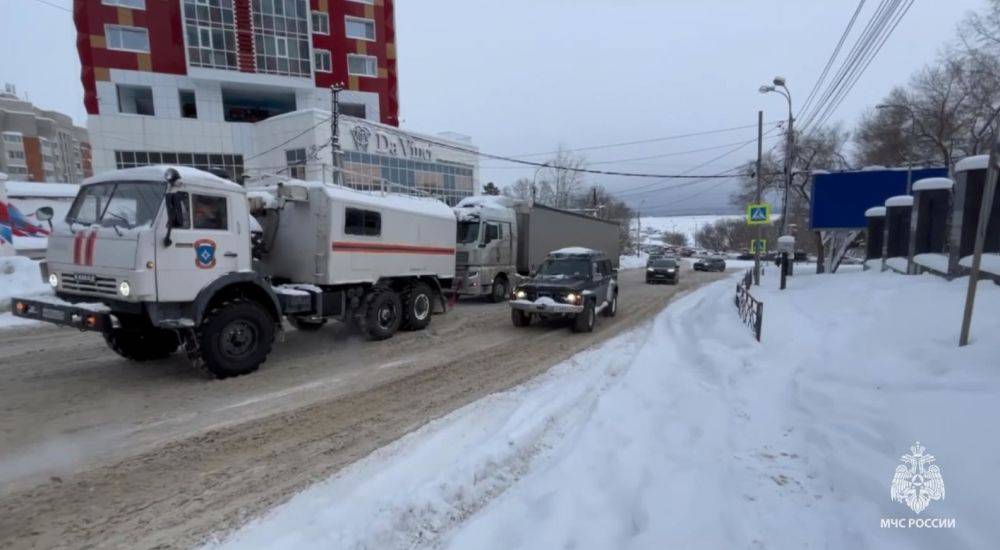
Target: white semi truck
x=501 y=239
x=160 y=258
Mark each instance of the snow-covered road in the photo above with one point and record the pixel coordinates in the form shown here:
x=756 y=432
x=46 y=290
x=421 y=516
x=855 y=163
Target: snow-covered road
x=687 y=433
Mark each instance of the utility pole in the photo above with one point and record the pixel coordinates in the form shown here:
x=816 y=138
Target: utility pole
x=760 y=183
x=989 y=189
x=336 y=153
x=789 y=158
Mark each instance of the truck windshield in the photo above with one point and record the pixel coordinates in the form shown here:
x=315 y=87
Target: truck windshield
x=117 y=204
x=565 y=268
x=468 y=232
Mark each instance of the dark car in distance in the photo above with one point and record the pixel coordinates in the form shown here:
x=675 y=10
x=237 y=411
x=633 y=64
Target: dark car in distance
x=710 y=264
x=663 y=270
x=572 y=283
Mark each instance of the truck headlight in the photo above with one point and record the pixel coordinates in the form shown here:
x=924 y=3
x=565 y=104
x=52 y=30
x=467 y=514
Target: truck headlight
x=520 y=294
x=572 y=298
x=53 y=280
x=124 y=289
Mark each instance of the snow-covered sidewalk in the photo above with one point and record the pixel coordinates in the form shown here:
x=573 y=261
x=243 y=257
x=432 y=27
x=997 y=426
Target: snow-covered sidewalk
x=686 y=433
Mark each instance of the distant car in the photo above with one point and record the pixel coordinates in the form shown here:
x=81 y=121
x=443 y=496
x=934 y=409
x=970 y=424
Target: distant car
x=663 y=270
x=745 y=256
x=710 y=264
x=572 y=283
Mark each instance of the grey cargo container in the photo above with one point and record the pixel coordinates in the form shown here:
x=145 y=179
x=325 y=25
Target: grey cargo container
x=542 y=229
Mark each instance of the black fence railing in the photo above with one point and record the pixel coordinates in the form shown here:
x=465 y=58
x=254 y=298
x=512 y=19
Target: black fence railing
x=750 y=309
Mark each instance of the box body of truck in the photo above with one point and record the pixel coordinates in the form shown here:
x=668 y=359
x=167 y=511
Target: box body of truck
x=542 y=229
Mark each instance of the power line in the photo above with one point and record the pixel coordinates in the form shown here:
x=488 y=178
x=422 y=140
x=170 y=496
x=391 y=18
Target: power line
x=293 y=138
x=833 y=57
x=57 y=6
x=644 y=141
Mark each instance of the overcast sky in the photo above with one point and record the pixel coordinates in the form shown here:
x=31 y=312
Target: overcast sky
x=525 y=76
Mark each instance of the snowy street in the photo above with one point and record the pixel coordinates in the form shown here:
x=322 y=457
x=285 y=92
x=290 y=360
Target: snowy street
x=686 y=433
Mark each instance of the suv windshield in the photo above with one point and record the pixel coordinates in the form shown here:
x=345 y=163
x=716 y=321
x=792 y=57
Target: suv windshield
x=468 y=232
x=117 y=204
x=663 y=263
x=565 y=268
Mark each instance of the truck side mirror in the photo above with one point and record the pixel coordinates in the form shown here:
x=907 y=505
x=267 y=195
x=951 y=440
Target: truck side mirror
x=176 y=213
x=45 y=214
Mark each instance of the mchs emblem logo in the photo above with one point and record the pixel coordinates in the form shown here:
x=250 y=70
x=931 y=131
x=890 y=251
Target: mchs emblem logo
x=204 y=253
x=362 y=135
x=917 y=480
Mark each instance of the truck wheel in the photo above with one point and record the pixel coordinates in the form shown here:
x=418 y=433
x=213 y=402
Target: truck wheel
x=235 y=338
x=498 y=292
x=584 y=321
x=417 y=300
x=306 y=325
x=611 y=309
x=520 y=318
x=142 y=345
x=381 y=315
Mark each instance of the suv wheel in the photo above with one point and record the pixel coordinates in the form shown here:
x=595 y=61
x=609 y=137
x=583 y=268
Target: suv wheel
x=585 y=320
x=611 y=309
x=520 y=318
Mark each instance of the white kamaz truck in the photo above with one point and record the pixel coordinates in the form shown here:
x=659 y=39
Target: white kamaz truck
x=501 y=239
x=161 y=258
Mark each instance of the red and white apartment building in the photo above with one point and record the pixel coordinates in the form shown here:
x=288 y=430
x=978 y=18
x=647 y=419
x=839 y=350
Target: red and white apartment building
x=226 y=83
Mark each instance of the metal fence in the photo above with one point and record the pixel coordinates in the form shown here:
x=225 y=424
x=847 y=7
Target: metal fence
x=750 y=309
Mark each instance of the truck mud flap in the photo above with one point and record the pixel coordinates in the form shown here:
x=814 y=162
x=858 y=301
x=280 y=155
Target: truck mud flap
x=68 y=315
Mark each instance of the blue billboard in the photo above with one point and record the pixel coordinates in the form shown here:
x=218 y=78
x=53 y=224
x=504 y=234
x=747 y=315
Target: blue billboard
x=839 y=199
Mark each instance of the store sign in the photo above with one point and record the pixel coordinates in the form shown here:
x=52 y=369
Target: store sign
x=385 y=143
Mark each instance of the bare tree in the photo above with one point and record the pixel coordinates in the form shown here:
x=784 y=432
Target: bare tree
x=675 y=238
x=520 y=189
x=561 y=178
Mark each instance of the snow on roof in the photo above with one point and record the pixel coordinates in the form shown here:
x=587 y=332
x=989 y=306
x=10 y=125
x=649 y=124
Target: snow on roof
x=496 y=201
x=157 y=172
x=990 y=262
x=574 y=250
x=899 y=200
x=875 y=212
x=978 y=162
x=929 y=184
x=873 y=168
x=38 y=189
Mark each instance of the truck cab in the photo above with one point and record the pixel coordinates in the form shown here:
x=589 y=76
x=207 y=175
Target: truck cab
x=486 y=246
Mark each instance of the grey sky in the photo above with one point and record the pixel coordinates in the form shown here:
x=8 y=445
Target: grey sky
x=523 y=76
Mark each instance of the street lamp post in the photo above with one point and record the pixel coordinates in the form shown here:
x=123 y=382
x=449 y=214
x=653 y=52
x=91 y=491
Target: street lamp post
x=534 y=181
x=779 y=87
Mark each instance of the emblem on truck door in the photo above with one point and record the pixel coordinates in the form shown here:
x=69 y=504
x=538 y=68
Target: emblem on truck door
x=204 y=253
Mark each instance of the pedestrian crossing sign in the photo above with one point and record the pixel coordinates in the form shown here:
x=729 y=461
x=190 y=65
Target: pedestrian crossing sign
x=758 y=245
x=758 y=214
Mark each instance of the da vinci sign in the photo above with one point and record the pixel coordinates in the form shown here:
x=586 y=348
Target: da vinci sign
x=367 y=139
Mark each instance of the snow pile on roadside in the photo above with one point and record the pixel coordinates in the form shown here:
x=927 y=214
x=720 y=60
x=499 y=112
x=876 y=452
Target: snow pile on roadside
x=687 y=433
x=19 y=276
x=631 y=261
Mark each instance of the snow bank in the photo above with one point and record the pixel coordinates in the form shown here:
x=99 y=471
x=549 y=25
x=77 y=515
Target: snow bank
x=19 y=276
x=686 y=433
x=989 y=263
x=631 y=261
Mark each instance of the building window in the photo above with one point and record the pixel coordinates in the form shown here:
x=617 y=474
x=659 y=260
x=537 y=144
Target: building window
x=449 y=181
x=296 y=162
x=16 y=154
x=362 y=65
x=189 y=107
x=11 y=137
x=323 y=62
x=133 y=4
x=231 y=164
x=369 y=2
x=362 y=222
x=362 y=29
x=321 y=23
x=353 y=109
x=281 y=37
x=135 y=100
x=211 y=34
x=132 y=39
x=209 y=212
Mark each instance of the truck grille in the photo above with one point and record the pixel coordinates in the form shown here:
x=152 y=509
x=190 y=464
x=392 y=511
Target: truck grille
x=84 y=282
x=462 y=257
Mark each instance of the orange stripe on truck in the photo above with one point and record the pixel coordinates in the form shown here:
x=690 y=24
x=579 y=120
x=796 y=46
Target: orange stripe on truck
x=376 y=248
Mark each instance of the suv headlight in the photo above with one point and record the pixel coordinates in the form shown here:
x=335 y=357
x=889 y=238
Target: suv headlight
x=572 y=298
x=520 y=294
x=53 y=280
x=124 y=289
x=649 y=269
